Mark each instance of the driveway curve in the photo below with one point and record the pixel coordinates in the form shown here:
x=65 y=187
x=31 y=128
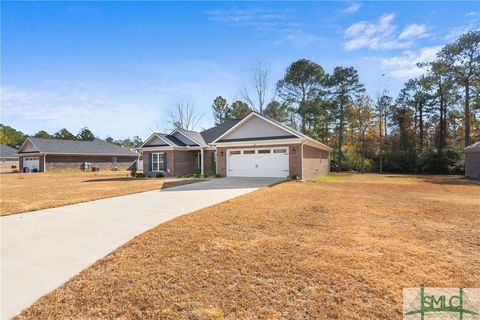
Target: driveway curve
x=42 y=250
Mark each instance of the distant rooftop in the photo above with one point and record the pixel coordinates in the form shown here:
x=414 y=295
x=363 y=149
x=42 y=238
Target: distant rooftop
x=95 y=146
x=7 y=151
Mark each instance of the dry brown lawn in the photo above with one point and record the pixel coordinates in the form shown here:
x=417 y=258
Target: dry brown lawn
x=34 y=191
x=341 y=248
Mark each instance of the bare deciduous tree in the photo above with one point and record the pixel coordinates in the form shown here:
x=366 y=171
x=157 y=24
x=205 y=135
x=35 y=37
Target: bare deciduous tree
x=184 y=117
x=257 y=91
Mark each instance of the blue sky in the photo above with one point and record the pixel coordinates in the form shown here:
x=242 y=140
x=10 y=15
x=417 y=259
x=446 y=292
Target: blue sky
x=120 y=67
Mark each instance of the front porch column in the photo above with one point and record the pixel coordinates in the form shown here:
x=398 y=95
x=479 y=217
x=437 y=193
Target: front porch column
x=201 y=162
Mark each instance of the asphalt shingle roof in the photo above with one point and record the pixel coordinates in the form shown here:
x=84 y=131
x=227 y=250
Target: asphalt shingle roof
x=7 y=151
x=95 y=146
x=213 y=133
x=194 y=135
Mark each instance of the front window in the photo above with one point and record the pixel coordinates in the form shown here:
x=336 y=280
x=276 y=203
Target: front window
x=157 y=162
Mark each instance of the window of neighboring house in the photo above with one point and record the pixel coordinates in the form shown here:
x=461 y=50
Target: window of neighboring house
x=114 y=159
x=157 y=162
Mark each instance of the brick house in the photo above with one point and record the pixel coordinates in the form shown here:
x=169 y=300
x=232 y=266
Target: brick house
x=42 y=155
x=472 y=161
x=255 y=146
x=8 y=157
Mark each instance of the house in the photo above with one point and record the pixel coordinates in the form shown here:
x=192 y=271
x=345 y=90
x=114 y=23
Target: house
x=255 y=146
x=472 y=161
x=8 y=157
x=38 y=154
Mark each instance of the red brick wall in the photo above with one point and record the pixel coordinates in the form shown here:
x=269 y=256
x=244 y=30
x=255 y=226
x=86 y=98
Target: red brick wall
x=472 y=164
x=185 y=162
x=170 y=163
x=179 y=163
x=209 y=167
x=59 y=163
x=315 y=162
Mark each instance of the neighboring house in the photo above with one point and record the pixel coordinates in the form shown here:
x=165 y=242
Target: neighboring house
x=255 y=146
x=472 y=161
x=43 y=155
x=8 y=157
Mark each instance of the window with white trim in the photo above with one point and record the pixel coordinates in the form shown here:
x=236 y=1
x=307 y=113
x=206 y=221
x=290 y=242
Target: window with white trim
x=158 y=163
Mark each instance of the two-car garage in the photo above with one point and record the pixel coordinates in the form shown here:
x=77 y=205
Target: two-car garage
x=258 y=162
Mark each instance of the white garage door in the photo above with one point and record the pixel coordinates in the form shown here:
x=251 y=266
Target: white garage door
x=257 y=162
x=32 y=163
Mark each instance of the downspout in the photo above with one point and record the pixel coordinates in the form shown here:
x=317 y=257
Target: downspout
x=303 y=177
x=201 y=163
x=45 y=162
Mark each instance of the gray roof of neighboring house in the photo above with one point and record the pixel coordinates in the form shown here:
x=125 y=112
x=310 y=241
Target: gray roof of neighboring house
x=473 y=147
x=7 y=151
x=95 y=146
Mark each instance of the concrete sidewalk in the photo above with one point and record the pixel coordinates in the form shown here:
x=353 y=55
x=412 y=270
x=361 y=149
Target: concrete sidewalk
x=43 y=249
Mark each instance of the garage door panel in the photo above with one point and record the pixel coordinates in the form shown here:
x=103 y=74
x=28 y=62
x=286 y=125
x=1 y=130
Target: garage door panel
x=260 y=163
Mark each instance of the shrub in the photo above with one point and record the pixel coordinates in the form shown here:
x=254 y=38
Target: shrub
x=160 y=175
x=196 y=175
x=133 y=172
x=295 y=177
x=139 y=175
x=218 y=175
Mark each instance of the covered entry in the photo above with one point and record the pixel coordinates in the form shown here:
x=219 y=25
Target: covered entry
x=258 y=162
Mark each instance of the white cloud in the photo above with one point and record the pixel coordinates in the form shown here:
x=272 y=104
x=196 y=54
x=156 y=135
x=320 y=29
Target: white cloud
x=284 y=28
x=382 y=34
x=413 y=31
x=404 y=66
x=352 y=8
x=374 y=35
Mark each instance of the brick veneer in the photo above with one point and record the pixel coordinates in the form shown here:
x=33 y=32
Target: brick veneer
x=315 y=162
x=60 y=162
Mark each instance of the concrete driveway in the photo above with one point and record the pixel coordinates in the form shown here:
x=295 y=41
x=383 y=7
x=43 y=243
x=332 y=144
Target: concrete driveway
x=43 y=249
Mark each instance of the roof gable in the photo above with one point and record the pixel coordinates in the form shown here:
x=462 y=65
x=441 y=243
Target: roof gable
x=254 y=127
x=156 y=140
x=184 y=138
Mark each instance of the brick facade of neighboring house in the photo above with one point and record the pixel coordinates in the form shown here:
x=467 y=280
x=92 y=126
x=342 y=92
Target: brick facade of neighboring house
x=8 y=157
x=72 y=155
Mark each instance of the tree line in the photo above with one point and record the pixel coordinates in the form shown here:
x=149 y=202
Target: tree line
x=14 y=138
x=422 y=130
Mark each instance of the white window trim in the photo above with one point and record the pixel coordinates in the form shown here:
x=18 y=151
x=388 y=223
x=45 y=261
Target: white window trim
x=158 y=161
